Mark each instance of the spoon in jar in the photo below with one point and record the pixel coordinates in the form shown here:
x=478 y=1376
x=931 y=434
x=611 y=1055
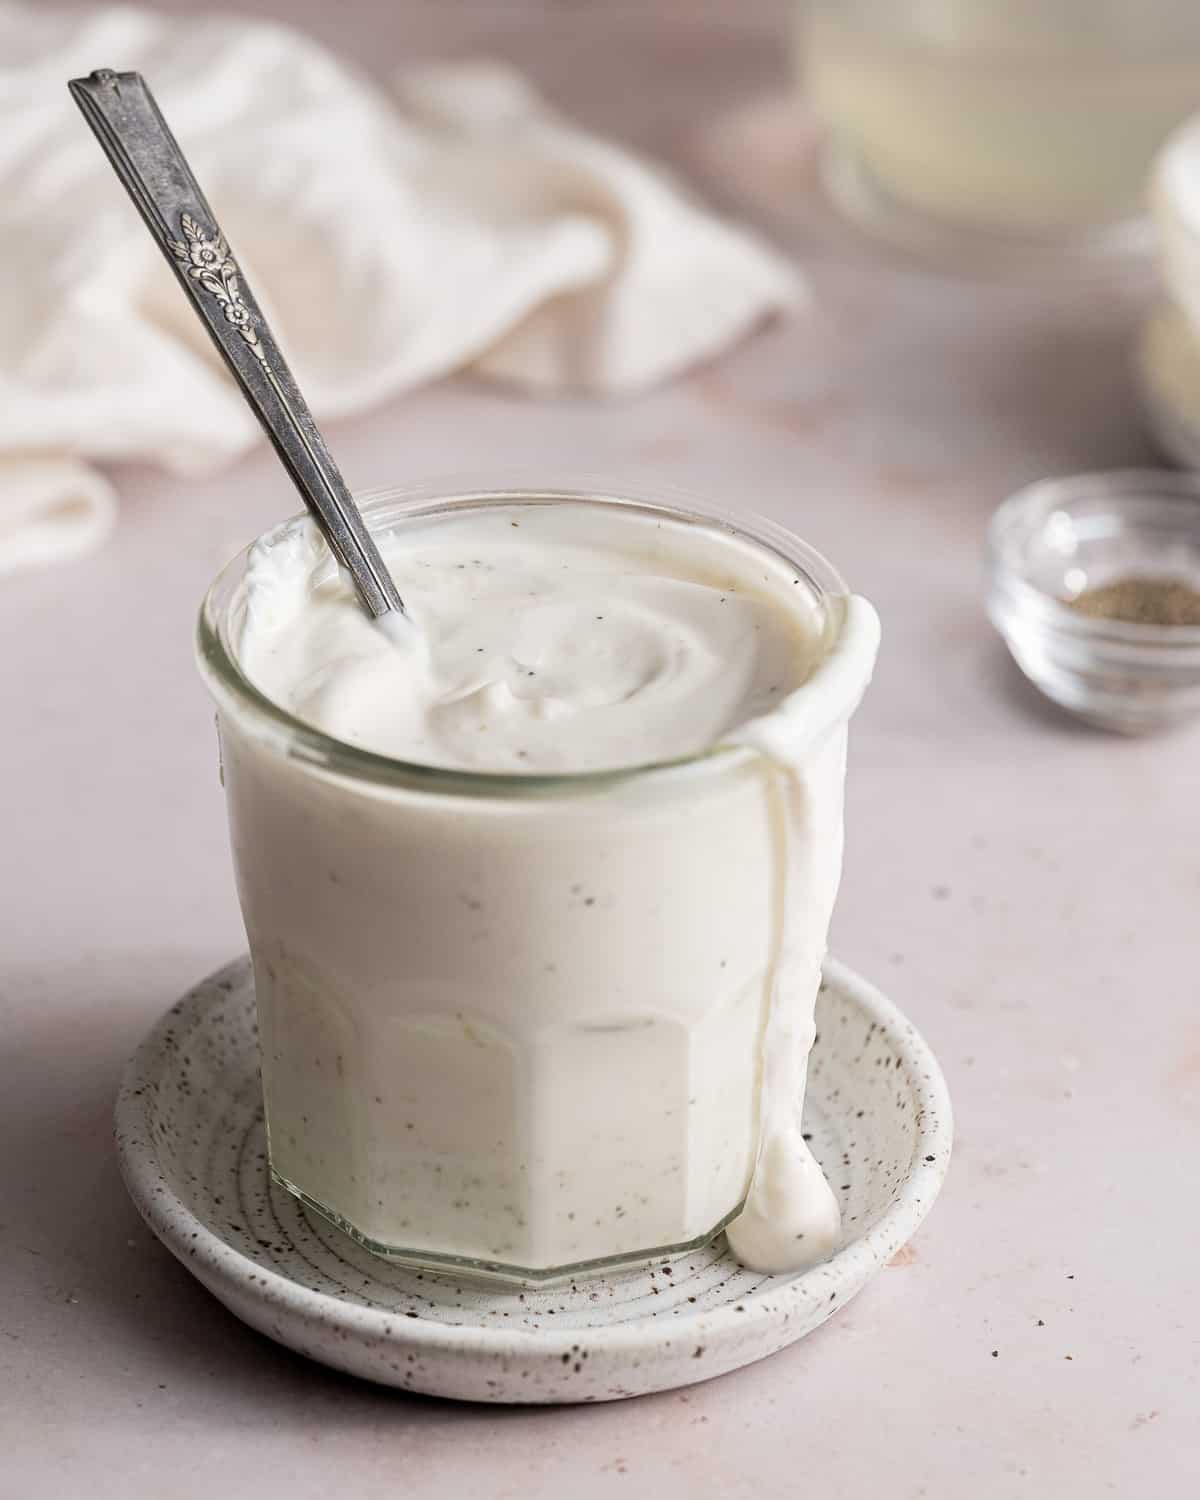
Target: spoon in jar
x=127 y=122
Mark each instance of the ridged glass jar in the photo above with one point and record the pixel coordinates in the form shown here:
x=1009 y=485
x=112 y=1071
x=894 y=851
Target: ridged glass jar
x=514 y=1023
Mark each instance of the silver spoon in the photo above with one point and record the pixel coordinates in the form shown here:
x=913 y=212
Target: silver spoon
x=136 y=139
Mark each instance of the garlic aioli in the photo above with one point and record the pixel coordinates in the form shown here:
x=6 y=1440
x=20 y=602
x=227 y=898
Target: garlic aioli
x=536 y=1032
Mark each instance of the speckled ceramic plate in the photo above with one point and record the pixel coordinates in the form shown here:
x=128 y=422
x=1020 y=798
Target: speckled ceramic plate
x=190 y=1137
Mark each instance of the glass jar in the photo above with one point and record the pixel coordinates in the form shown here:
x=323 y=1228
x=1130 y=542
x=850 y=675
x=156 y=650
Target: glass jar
x=1167 y=364
x=981 y=122
x=515 y=1023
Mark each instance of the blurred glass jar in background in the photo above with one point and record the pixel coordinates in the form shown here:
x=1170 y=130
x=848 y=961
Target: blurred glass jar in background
x=1168 y=355
x=1021 y=119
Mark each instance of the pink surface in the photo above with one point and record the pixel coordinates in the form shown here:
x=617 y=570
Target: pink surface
x=1026 y=889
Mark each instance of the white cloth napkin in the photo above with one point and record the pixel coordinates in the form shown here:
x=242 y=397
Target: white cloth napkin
x=391 y=239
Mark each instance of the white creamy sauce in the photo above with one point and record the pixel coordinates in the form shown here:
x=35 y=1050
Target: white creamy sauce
x=530 y=654
x=552 y=640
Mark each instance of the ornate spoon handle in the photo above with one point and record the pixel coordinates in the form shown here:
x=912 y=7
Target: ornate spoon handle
x=136 y=139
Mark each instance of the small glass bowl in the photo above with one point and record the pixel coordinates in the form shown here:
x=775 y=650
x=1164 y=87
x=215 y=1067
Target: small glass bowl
x=1050 y=542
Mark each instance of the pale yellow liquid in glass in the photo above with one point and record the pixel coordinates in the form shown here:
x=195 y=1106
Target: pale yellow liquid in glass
x=1019 y=116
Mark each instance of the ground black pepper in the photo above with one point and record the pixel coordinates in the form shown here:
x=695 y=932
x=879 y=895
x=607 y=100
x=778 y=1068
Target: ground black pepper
x=1142 y=601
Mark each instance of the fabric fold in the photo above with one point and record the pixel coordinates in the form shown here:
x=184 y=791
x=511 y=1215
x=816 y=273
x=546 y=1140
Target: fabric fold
x=393 y=236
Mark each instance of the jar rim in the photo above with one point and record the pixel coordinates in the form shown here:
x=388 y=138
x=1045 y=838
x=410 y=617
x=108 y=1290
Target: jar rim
x=303 y=741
